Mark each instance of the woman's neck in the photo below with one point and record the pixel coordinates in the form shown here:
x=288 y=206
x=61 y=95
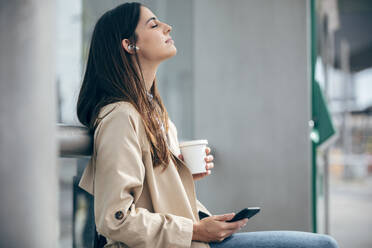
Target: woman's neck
x=149 y=73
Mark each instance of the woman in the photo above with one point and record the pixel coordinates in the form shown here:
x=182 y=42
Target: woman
x=144 y=195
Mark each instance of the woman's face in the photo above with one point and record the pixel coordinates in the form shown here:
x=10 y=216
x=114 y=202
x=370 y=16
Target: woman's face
x=152 y=37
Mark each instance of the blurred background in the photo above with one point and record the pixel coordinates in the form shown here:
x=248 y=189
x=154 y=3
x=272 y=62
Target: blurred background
x=282 y=90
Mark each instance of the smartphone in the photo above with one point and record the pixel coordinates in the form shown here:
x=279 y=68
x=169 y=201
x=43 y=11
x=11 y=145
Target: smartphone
x=245 y=213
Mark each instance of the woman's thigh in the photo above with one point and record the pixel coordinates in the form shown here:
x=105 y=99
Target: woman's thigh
x=277 y=239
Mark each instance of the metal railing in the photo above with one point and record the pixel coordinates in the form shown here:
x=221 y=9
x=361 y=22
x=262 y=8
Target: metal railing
x=74 y=141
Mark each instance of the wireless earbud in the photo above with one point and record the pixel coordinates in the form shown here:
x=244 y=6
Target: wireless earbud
x=132 y=46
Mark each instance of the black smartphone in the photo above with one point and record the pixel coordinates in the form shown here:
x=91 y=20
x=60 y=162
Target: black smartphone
x=245 y=213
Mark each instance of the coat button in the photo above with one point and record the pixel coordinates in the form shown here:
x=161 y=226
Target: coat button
x=119 y=215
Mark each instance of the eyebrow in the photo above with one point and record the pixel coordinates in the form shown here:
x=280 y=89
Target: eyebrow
x=152 y=18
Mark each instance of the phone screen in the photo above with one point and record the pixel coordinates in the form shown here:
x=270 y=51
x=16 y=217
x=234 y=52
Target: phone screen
x=245 y=213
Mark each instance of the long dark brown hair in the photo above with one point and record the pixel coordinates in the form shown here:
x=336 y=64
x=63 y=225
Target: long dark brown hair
x=110 y=76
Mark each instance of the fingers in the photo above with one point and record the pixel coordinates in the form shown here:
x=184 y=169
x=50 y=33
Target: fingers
x=228 y=232
x=209 y=166
x=208 y=158
x=227 y=228
x=207 y=150
x=236 y=225
x=181 y=157
x=224 y=217
x=199 y=176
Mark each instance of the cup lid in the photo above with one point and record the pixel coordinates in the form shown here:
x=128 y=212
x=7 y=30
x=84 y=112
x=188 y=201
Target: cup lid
x=194 y=142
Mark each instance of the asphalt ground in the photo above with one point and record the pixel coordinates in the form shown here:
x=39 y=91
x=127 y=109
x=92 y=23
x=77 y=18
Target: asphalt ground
x=351 y=212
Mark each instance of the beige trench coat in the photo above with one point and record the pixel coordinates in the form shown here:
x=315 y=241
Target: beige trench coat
x=135 y=205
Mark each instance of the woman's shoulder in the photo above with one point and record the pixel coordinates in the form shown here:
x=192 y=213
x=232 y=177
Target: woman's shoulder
x=118 y=112
x=120 y=107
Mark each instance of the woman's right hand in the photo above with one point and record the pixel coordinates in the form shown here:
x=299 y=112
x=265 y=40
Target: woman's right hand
x=215 y=228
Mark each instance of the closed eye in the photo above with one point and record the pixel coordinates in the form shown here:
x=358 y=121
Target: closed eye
x=154 y=26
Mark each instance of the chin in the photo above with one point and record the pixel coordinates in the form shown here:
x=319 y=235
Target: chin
x=174 y=52
x=171 y=53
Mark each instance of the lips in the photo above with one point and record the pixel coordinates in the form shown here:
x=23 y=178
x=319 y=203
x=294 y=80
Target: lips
x=168 y=40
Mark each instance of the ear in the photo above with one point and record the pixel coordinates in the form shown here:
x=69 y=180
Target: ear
x=125 y=43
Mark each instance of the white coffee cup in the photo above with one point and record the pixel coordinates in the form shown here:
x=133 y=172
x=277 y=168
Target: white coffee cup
x=193 y=153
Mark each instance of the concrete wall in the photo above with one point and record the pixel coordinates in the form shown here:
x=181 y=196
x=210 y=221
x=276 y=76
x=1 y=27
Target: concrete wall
x=252 y=89
x=176 y=75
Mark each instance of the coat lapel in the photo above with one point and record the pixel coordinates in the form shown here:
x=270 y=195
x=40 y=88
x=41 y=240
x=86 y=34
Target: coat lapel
x=185 y=175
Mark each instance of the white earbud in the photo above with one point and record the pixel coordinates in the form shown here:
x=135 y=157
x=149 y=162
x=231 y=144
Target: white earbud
x=132 y=46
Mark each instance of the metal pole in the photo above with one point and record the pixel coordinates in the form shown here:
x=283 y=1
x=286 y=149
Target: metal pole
x=28 y=147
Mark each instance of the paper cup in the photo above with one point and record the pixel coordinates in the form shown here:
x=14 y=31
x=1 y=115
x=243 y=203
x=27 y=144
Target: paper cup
x=193 y=153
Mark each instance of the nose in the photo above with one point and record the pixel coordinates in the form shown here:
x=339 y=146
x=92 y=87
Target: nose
x=168 y=28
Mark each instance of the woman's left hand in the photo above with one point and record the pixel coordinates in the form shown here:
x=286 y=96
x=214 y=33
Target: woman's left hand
x=209 y=164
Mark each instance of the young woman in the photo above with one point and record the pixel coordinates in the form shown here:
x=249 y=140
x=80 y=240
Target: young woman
x=144 y=195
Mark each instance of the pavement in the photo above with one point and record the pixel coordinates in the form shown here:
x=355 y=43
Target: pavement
x=351 y=212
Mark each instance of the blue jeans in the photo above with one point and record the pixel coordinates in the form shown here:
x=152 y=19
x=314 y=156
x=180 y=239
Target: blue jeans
x=277 y=239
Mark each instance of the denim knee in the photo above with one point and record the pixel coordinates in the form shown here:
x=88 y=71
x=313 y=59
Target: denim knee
x=328 y=241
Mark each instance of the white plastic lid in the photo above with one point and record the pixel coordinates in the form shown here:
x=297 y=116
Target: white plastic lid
x=194 y=142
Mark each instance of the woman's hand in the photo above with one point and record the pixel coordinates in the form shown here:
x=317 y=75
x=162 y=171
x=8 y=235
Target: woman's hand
x=209 y=165
x=215 y=228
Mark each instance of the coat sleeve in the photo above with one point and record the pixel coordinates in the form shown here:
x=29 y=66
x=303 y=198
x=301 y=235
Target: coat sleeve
x=119 y=178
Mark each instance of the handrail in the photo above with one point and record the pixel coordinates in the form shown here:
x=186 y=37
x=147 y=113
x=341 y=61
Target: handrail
x=74 y=141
